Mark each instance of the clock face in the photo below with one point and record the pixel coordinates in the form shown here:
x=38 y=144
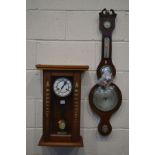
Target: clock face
x=62 y=87
x=105 y=98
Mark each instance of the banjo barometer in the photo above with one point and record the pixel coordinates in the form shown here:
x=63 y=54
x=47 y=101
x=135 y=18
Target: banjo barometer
x=105 y=97
x=61 y=105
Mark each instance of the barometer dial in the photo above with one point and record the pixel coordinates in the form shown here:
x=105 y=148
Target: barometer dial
x=105 y=98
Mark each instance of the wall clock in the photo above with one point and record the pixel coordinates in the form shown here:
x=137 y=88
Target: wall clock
x=61 y=105
x=105 y=97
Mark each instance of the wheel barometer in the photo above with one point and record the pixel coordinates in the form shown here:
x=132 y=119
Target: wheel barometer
x=105 y=97
x=61 y=105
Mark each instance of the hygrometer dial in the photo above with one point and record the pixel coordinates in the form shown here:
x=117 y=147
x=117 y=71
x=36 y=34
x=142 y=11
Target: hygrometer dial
x=62 y=87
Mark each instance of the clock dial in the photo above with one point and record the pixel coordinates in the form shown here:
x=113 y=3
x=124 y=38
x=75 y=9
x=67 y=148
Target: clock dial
x=62 y=87
x=105 y=98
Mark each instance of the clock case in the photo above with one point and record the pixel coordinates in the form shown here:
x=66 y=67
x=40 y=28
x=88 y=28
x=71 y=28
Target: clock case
x=52 y=135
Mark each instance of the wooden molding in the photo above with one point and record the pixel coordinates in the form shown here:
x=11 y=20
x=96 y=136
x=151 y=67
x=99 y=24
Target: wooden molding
x=62 y=67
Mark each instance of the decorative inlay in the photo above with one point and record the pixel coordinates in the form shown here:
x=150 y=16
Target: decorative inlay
x=75 y=94
x=47 y=98
x=47 y=84
x=76 y=85
x=76 y=112
x=76 y=105
x=76 y=90
x=47 y=90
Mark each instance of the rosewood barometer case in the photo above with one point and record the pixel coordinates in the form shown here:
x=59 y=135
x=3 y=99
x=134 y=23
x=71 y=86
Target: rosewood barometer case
x=105 y=97
x=61 y=105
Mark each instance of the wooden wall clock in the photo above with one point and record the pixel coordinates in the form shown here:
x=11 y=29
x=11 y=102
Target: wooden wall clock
x=105 y=97
x=61 y=105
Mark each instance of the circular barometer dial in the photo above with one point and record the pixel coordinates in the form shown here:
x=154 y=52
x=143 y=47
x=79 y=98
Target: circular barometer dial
x=105 y=98
x=62 y=87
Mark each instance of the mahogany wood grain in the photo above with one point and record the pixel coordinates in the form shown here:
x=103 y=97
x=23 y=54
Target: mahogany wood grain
x=62 y=67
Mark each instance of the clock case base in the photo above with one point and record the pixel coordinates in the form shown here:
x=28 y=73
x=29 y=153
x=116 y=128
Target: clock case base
x=65 y=143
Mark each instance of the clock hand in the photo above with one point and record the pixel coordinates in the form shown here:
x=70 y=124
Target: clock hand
x=64 y=84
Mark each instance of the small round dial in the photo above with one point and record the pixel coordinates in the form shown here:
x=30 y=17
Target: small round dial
x=107 y=24
x=62 y=87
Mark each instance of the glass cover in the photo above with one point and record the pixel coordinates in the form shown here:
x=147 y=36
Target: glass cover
x=105 y=98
